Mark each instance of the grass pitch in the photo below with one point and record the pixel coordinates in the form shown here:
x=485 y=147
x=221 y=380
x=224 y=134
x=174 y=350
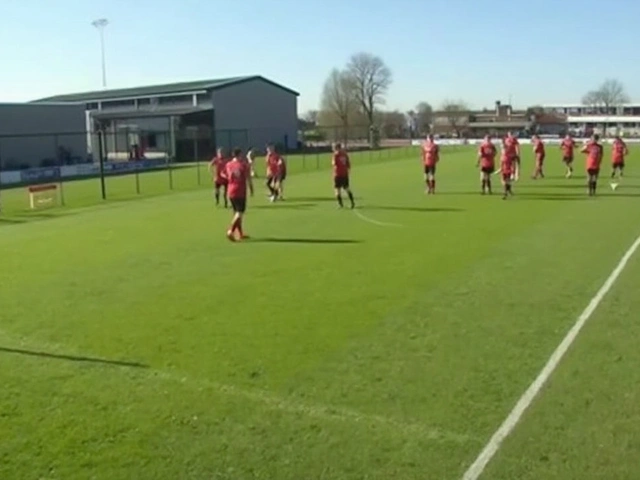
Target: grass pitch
x=136 y=342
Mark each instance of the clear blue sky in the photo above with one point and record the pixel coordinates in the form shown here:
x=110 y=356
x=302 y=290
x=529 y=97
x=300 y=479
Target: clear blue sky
x=549 y=51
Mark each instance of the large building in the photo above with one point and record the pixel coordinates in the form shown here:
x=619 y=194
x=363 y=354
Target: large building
x=41 y=135
x=474 y=123
x=584 y=119
x=189 y=120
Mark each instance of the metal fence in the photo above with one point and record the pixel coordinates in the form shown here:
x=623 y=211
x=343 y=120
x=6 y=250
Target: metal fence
x=87 y=168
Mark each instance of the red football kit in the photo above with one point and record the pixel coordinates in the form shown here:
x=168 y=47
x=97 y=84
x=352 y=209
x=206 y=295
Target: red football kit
x=619 y=152
x=273 y=159
x=487 y=152
x=430 y=154
x=238 y=173
x=282 y=169
x=511 y=145
x=506 y=165
x=594 y=156
x=219 y=164
x=567 y=147
x=341 y=165
x=538 y=149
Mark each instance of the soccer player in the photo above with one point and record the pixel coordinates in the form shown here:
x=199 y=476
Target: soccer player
x=538 y=151
x=272 y=159
x=250 y=159
x=512 y=149
x=594 y=152
x=619 y=152
x=487 y=163
x=238 y=174
x=218 y=172
x=430 y=157
x=341 y=170
x=507 y=167
x=281 y=176
x=567 y=146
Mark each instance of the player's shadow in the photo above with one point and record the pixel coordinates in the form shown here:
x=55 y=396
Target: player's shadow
x=312 y=199
x=309 y=241
x=72 y=358
x=555 y=197
x=11 y=221
x=286 y=206
x=411 y=209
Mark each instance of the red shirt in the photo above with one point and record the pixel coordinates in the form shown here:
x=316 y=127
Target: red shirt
x=282 y=167
x=273 y=159
x=511 y=145
x=619 y=151
x=487 y=152
x=567 y=147
x=238 y=173
x=219 y=163
x=341 y=164
x=594 y=155
x=506 y=163
x=430 y=153
x=538 y=148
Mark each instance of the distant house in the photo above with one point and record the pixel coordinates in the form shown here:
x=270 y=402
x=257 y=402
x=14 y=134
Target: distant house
x=476 y=123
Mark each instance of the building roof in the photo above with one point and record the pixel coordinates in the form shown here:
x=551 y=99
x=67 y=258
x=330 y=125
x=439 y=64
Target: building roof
x=514 y=124
x=164 y=89
x=108 y=115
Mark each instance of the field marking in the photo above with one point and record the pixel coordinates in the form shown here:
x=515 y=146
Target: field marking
x=274 y=401
x=363 y=217
x=494 y=444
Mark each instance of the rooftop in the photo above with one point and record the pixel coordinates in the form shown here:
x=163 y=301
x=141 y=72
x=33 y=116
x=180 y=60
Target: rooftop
x=169 y=88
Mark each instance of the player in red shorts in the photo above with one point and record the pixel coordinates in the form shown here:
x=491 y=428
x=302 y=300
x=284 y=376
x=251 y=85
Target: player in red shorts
x=619 y=152
x=507 y=169
x=273 y=160
x=567 y=147
x=594 y=152
x=217 y=169
x=238 y=173
x=341 y=170
x=487 y=162
x=539 y=152
x=512 y=149
x=281 y=176
x=430 y=158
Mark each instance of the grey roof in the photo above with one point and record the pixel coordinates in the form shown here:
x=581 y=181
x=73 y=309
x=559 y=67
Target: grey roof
x=214 y=84
x=122 y=115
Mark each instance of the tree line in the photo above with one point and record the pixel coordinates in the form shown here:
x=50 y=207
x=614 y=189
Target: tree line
x=353 y=97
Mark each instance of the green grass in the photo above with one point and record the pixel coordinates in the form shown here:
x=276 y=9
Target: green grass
x=389 y=345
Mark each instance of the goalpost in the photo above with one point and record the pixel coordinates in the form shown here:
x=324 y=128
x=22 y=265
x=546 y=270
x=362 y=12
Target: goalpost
x=43 y=196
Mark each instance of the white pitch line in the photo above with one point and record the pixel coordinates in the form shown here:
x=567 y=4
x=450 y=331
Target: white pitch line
x=374 y=222
x=478 y=466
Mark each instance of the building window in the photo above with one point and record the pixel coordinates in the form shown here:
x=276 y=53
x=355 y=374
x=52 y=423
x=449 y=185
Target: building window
x=203 y=98
x=175 y=100
x=144 y=101
x=92 y=106
x=118 y=104
x=150 y=140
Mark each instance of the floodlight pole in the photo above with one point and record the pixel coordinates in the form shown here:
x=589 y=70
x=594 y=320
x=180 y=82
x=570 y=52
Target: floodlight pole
x=100 y=24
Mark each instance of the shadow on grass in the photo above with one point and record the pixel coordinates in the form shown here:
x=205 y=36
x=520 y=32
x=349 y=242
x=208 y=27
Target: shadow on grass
x=328 y=198
x=286 y=206
x=309 y=241
x=72 y=358
x=411 y=209
x=11 y=221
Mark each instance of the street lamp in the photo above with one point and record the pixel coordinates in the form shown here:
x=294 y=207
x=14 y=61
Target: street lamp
x=100 y=24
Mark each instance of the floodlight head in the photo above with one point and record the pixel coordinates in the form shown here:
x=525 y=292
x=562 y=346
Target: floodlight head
x=100 y=23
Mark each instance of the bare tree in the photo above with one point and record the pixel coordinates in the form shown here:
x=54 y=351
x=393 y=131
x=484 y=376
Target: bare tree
x=611 y=93
x=370 y=81
x=338 y=100
x=311 y=117
x=455 y=112
x=393 y=124
x=424 y=117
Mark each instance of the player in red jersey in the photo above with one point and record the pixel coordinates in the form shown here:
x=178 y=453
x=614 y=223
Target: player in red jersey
x=539 y=152
x=567 y=145
x=281 y=176
x=238 y=173
x=430 y=158
x=507 y=169
x=512 y=149
x=341 y=170
x=218 y=172
x=487 y=162
x=594 y=151
x=272 y=159
x=619 y=152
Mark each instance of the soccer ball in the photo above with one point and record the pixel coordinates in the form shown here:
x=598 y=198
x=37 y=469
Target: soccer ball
x=614 y=186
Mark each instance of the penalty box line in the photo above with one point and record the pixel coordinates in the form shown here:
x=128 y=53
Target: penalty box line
x=477 y=467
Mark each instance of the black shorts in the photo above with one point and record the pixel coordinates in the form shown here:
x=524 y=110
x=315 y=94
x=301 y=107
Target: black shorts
x=619 y=165
x=271 y=179
x=516 y=160
x=593 y=172
x=281 y=178
x=567 y=160
x=239 y=205
x=341 y=182
x=487 y=170
x=220 y=183
x=506 y=177
x=429 y=169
